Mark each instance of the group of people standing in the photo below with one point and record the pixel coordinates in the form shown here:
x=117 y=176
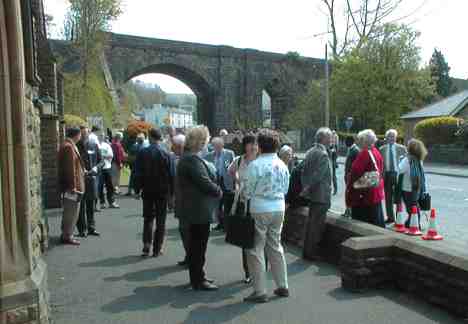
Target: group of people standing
x=204 y=184
x=89 y=166
x=402 y=177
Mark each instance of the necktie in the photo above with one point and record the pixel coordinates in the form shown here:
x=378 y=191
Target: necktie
x=392 y=158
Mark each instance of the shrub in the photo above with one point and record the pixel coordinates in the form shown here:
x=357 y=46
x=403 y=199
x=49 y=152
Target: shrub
x=136 y=127
x=73 y=120
x=440 y=130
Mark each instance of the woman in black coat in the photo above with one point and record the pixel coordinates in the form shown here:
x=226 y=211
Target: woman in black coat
x=197 y=199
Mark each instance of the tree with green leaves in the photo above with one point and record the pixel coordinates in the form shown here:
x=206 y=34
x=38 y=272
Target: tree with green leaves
x=440 y=73
x=381 y=80
x=309 y=109
x=374 y=83
x=85 y=24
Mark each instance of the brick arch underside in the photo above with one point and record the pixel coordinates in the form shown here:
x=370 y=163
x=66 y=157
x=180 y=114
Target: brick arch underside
x=198 y=84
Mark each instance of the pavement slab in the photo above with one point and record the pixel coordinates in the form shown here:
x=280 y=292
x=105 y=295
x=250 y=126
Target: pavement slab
x=106 y=281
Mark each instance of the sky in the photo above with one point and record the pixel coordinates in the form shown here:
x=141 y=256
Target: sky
x=277 y=26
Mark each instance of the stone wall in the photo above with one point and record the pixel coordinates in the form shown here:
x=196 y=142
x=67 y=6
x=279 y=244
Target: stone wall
x=452 y=154
x=371 y=257
x=39 y=226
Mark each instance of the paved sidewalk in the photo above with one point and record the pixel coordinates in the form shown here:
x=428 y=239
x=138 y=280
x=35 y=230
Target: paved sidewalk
x=105 y=281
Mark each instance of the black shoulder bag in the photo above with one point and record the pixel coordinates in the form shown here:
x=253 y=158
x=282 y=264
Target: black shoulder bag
x=240 y=226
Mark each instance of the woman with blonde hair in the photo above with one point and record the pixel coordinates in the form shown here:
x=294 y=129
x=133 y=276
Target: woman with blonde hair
x=197 y=199
x=412 y=182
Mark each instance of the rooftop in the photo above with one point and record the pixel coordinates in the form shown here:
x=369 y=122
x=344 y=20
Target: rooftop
x=449 y=106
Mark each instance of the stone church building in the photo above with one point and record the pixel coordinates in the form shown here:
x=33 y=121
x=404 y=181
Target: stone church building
x=31 y=110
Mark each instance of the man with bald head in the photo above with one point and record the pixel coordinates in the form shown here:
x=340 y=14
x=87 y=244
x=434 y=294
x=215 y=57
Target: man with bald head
x=222 y=159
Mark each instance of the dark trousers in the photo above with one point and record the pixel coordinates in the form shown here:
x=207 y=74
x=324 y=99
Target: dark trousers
x=315 y=229
x=199 y=234
x=390 y=181
x=244 y=263
x=154 y=208
x=86 y=222
x=106 y=181
x=184 y=230
x=225 y=206
x=410 y=201
x=369 y=214
x=131 y=180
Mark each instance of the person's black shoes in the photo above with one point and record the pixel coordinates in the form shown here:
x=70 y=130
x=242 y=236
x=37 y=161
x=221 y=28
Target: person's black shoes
x=281 y=292
x=82 y=234
x=145 y=252
x=94 y=233
x=183 y=263
x=248 y=280
x=207 y=286
x=254 y=298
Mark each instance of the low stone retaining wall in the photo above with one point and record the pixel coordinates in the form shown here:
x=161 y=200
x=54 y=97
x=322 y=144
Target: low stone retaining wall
x=371 y=257
x=451 y=154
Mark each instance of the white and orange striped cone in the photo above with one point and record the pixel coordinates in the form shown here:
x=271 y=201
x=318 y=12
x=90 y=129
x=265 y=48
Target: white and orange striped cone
x=414 y=223
x=400 y=220
x=432 y=234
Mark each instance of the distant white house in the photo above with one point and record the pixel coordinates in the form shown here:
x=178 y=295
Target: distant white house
x=180 y=118
x=161 y=116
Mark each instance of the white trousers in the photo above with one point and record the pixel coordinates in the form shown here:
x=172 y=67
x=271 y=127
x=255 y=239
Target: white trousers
x=268 y=228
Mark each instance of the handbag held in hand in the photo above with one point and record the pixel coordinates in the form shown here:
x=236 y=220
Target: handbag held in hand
x=369 y=179
x=240 y=227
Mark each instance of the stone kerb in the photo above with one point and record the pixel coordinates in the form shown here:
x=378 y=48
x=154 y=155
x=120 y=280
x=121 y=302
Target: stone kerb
x=371 y=257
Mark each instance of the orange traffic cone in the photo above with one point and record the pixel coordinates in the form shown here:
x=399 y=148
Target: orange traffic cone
x=414 y=224
x=400 y=220
x=432 y=234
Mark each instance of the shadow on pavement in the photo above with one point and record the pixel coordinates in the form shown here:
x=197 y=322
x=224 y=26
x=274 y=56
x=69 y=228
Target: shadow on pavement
x=113 y=262
x=222 y=314
x=179 y=297
x=147 y=274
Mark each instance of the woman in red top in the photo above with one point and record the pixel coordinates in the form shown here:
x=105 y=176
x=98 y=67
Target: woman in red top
x=366 y=204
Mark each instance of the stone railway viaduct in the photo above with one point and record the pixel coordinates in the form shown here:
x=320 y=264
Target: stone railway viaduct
x=227 y=81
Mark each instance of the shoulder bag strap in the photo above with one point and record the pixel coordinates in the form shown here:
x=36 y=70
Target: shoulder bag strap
x=373 y=161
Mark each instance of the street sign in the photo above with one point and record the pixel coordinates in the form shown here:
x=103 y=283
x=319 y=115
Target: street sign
x=95 y=121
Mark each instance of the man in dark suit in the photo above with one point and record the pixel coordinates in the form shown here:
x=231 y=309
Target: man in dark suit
x=317 y=182
x=91 y=156
x=155 y=179
x=222 y=159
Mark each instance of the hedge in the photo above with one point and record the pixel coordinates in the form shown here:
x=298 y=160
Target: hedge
x=440 y=130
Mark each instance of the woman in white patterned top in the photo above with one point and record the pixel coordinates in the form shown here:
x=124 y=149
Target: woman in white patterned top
x=266 y=186
x=238 y=170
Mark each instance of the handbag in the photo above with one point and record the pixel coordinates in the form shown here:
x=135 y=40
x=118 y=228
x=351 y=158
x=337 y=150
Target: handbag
x=370 y=179
x=425 y=202
x=240 y=227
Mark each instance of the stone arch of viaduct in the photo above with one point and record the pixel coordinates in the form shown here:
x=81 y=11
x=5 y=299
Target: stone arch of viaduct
x=227 y=81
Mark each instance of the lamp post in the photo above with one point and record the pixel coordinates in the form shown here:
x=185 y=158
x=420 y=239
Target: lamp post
x=327 y=89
